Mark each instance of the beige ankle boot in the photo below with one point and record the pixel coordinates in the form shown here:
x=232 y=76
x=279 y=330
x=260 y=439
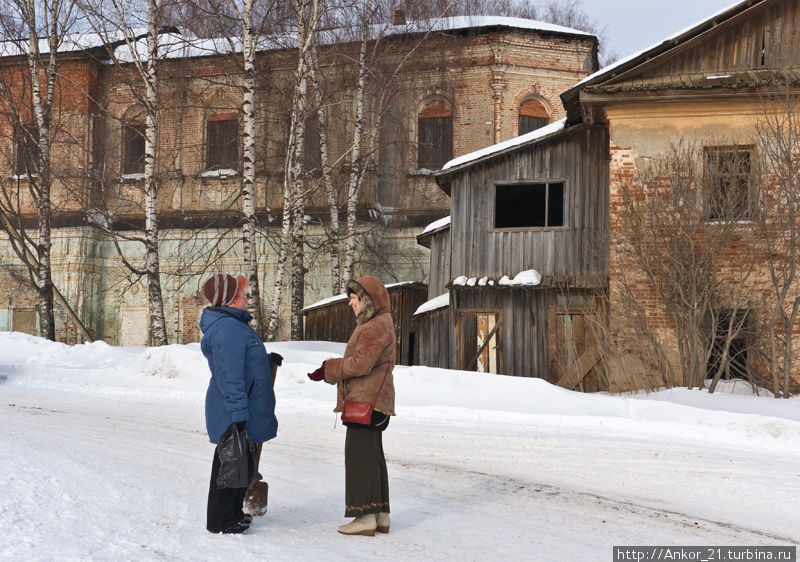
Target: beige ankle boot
x=383 y=523
x=364 y=525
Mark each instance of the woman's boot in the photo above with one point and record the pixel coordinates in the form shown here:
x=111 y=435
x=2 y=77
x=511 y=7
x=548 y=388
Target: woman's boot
x=364 y=525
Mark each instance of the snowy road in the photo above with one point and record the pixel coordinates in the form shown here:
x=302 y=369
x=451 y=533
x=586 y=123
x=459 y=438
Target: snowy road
x=110 y=474
x=119 y=480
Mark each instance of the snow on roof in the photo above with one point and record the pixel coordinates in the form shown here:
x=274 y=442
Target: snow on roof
x=343 y=296
x=442 y=222
x=524 y=278
x=329 y=300
x=527 y=278
x=437 y=302
x=510 y=143
x=71 y=42
x=461 y=22
x=183 y=45
x=675 y=35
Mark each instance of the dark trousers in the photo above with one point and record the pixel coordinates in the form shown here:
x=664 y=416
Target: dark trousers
x=366 y=478
x=224 y=504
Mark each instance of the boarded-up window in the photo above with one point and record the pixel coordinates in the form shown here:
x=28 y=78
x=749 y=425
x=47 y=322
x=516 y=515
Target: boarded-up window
x=434 y=135
x=529 y=205
x=480 y=341
x=133 y=326
x=133 y=148
x=24 y=320
x=727 y=175
x=27 y=150
x=532 y=116
x=222 y=141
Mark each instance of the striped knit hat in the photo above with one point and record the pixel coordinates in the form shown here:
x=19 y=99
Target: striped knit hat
x=220 y=289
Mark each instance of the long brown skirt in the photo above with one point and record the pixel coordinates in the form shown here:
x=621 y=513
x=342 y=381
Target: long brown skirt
x=366 y=478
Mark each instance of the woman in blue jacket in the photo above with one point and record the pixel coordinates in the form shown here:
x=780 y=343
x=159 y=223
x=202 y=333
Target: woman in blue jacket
x=240 y=391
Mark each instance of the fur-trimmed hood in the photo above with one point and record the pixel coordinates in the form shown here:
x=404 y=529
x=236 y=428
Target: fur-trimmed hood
x=373 y=295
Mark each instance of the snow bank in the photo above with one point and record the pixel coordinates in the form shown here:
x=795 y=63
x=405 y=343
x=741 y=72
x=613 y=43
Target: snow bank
x=180 y=373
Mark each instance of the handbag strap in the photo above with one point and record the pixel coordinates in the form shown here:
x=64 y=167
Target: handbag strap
x=386 y=374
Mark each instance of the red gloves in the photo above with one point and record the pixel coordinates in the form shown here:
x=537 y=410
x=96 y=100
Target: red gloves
x=319 y=374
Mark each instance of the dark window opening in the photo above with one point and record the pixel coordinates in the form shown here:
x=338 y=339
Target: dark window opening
x=736 y=327
x=222 y=142
x=434 y=135
x=312 y=149
x=529 y=205
x=727 y=176
x=26 y=146
x=532 y=116
x=133 y=149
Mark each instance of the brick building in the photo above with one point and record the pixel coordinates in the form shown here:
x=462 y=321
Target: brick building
x=475 y=82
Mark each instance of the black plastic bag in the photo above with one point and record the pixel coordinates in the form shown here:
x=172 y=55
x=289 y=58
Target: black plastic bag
x=238 y=467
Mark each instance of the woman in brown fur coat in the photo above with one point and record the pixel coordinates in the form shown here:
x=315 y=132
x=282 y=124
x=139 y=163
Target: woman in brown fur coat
x=364 y=374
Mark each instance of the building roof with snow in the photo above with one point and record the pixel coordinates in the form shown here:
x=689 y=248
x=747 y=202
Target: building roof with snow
x=618 y=69
x=179 y=43
x=343 y=296
x=505 y=146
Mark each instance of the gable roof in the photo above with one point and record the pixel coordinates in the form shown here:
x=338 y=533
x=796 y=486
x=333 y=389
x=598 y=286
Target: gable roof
x=626 y=66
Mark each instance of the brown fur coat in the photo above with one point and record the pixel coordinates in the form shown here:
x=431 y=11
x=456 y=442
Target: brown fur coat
x=370 y=352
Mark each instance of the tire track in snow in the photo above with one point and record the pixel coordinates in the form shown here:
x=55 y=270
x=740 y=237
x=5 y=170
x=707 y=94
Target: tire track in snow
x=529 y=490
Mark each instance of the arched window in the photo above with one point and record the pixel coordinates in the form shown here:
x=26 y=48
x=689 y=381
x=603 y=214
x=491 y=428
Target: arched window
x=532 y=116
x=222 y=141
x=434 y=135
x=26 y=148
x=133 y=147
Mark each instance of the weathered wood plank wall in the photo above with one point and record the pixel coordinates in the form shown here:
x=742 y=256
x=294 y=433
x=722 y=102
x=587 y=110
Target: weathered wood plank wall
x=524 y=337
x=579 y=158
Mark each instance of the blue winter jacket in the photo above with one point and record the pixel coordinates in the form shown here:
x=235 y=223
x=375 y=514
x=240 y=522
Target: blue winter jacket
x=240 y=388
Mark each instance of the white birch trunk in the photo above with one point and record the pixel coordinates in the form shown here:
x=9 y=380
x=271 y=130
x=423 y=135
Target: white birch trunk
x=327 y=180
x=355 y=174
x=157 y=322
x=40 y=186
x=248 y=165
x=293 y=206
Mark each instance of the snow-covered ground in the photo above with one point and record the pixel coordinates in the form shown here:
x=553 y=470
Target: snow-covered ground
x=105 y=457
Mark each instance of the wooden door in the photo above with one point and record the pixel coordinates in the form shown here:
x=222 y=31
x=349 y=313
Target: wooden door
x=574 y=353
x=480 y=341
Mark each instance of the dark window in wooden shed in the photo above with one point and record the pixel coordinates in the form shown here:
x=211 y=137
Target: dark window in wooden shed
x=27 y=150
x=222 y=141
x=529 y=205
x=434 y=135
x=133 y=148
x=727 y=175
x=532 y=116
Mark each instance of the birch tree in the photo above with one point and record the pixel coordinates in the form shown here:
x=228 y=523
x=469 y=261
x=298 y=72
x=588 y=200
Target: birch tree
x=245 y=16
x=30 y=104
x=292 y=239
x=114 y=26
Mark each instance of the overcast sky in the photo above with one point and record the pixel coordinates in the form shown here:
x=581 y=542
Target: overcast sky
x=632 y=25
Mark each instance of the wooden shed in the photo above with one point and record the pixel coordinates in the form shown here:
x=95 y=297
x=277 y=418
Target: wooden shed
x=524 y=258
x=332 y=320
